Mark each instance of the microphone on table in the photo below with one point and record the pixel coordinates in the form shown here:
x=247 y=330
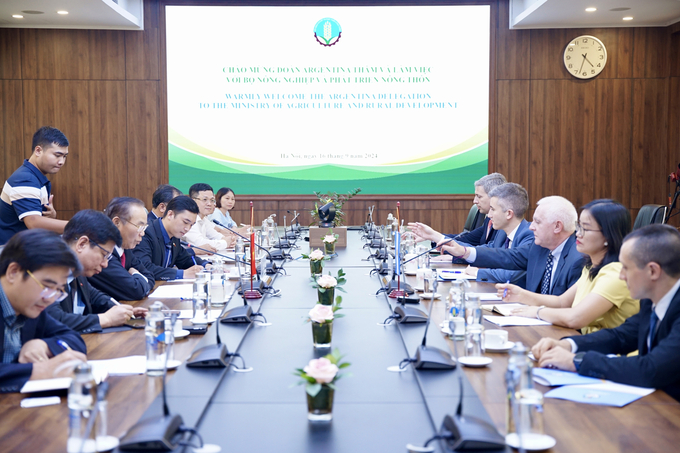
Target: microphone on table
x=240 y=314
x=271 y=266
x=293 y=233
x=156 y=433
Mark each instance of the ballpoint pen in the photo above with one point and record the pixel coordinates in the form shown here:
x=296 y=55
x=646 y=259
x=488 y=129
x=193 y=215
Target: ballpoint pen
x=505 y=291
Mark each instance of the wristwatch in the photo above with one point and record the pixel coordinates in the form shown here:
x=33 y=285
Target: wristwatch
x=578 y=358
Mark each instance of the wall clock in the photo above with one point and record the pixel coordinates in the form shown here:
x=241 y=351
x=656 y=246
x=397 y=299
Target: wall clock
x=585 y=57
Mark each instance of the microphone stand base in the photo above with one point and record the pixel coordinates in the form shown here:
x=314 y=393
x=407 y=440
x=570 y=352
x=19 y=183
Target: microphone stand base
x=252 y=294
x=397 y=293
x=153 y=434
x=209 y=357
x=429 y=358
x=471 y=433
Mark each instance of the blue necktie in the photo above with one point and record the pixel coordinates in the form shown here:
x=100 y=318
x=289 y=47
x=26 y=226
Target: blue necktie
x=506 y=245
x=653 y=320
x=168 y=248
x=545 y=284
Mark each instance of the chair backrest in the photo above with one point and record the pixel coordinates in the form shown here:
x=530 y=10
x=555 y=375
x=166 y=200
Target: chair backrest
x=649 y=214
x=474 y=219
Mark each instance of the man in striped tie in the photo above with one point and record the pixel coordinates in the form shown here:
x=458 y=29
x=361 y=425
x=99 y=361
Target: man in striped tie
x=651 y=269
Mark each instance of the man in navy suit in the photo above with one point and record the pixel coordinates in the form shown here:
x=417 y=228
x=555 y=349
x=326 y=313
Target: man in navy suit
x=552 y=262
x=160 y=249
x=484 y=234
x=34 y=266
x=508 y=204
x=651 y=269
x=159 y=202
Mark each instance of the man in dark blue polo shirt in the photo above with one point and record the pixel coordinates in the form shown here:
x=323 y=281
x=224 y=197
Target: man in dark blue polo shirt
x=26 y=200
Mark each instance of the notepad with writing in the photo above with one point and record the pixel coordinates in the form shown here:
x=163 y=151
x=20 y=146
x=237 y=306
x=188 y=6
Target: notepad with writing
x=50 y=385
x=507 y=321
x=502 y=309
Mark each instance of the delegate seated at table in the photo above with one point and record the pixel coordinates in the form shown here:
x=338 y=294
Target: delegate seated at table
x=651 y=269
x=507 y=205
x=599 y=299
x=484 y=234
x=204 y=232
x=34 y=266
x=160 y=249
x=552 y=263
x=159 y=201
x=91 y=236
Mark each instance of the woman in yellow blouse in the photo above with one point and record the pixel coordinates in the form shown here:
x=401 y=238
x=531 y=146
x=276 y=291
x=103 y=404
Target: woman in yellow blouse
x=599 y=299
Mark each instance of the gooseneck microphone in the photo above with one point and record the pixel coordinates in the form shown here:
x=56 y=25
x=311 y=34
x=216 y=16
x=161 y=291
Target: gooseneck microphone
x=271 y=266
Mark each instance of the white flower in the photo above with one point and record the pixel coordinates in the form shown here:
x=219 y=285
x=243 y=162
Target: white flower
x=326 y=281
x=322 y=370
x=330 y=238
x=321 y=313
x=316 y=255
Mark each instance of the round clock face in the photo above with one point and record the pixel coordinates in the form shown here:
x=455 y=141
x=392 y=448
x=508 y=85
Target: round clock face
x=585 y=57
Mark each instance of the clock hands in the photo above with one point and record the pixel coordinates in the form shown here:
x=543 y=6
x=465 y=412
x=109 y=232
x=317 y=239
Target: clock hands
x=584 y=60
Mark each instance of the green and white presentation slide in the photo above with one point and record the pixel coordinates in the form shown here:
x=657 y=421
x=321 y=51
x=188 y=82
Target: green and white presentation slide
x=288 y=100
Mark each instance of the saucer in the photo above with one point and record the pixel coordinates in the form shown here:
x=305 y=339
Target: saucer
x=183 y=333
x=531 y=442
x=429 y=296
x=475 y=362
x=172 y=364
x=506 y=347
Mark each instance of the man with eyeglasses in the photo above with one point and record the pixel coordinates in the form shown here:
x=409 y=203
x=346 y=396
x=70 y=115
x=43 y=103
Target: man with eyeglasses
x=91 y=236
x=552 y=263
x=204 y=233
x=160 y=250
x=34 y=266
x=126 y=277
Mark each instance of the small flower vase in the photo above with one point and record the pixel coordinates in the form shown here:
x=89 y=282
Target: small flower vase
x=320 y=407
x=329 y=248
x=316 y=267
x=326 y=297
x=322 y=334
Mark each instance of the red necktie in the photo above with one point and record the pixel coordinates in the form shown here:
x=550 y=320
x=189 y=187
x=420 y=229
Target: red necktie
x=488 y=230
x=122 y=259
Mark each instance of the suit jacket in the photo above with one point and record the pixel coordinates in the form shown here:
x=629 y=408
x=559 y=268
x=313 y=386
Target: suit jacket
x=95 y=302
x=659 y=369
x=151 y=252
x=533 y=259
x=14 y=375
x=478 y=235
x=116 y=281
x=524 y=237
x=150 y=217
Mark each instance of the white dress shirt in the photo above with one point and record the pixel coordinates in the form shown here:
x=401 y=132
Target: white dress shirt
x=203 y=233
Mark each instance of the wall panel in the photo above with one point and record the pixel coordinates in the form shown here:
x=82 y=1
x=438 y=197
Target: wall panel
x=10 y=53
x=11 y=128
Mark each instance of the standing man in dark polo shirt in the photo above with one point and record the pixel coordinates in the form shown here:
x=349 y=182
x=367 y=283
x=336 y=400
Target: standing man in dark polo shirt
x=26 y=200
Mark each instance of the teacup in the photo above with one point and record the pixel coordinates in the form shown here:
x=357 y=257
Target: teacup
x=495 y=339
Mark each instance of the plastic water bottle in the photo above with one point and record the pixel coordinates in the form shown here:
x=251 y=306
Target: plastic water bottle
x=155 y=340
x=82 y=397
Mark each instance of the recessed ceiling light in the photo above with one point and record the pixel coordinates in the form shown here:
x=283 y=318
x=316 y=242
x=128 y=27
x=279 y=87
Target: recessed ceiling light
x=62 y=12
x=17 y=16
x=628 y=18
x=591 y=9
x=29 y=11
x=619 y=9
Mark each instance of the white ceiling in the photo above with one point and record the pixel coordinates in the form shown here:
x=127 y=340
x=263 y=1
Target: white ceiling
x=87 y=14
x=572 y=13
x=128 y=14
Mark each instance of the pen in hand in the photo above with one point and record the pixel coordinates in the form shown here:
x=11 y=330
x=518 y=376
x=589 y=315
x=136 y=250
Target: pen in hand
x=505 y=291
x=64 y=345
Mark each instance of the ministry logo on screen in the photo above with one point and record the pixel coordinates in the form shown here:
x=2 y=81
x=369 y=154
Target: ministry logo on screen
x=327 y=32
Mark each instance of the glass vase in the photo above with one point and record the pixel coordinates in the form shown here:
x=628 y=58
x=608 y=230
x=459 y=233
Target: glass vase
x=322 y=334
x=320 y=407
x=329 y=248
x=316 y=267
x=327 y=296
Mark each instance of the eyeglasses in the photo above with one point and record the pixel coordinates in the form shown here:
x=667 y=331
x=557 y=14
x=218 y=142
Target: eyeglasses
x=48 y=293
x=206 y=200
x=108 y=255
x=581 y=231
x=140 y=228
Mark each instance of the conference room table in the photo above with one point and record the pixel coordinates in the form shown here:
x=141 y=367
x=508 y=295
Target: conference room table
x=374 y=410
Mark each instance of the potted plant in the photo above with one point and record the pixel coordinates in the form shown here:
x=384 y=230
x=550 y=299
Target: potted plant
x=326 y=285
x=337 y=200
x=319 y=377
x=329 y=242
x=321 y=317
x=316 y=259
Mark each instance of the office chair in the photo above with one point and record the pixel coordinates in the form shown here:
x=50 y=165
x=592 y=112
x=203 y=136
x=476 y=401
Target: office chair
x=649 y=214
x=474 y=219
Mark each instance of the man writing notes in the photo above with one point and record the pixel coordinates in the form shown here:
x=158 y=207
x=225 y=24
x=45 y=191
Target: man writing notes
x=552 y=263
x=160 y=248
x=507 y=205
x=91 y=236
x=126 y=278
x=26 y=200
x=651 y=270
x=203 y=233
x=34 y=266
x=485 y=234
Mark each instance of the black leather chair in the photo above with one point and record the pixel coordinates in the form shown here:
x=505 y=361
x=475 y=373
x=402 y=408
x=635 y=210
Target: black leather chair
x=474 y=219
x=649 y=214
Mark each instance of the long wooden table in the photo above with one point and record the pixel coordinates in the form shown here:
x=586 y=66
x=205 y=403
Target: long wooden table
x=649 y=424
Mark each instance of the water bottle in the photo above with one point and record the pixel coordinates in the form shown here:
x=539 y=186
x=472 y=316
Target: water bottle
x=524 y=414
x=456 y=298
x=82 y=397
x=155 y=340
x=169 y=339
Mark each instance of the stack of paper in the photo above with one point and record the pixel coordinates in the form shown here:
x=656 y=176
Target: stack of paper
x=502 y=309
x=123 y=366
x=48 y=385
x=583 y=389
x=453 y=274
x=174 y=291
x=505 y=321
